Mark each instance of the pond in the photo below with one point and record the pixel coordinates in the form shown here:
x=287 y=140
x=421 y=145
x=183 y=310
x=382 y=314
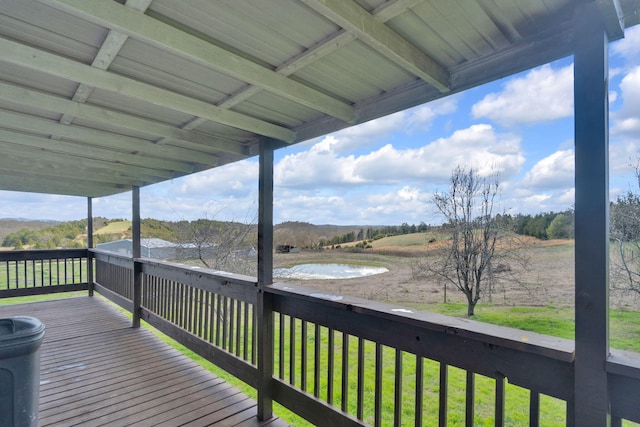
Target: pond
x=327 y=271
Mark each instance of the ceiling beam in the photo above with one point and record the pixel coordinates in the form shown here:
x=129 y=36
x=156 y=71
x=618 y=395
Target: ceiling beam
x=83 y=150
x=68 y=163
x=186 y=139
x=106 y=54
x=45 y=168
x=107 y=140
x=358 y=21
x=35 y=59
x=383 y=13
x=612 y=17
x=526 y=54
x=115 y=16
x=31 y=183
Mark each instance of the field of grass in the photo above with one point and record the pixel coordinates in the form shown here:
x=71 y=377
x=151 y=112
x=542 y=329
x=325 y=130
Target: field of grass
x=625 y=331
x=115 y=227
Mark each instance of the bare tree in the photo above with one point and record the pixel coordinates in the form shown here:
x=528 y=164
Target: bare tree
x=625 y=232
x=221 y=245
x=468 y=209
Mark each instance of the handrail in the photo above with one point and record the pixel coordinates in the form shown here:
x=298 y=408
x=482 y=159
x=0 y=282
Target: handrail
x=349 y=361
x=36 y=272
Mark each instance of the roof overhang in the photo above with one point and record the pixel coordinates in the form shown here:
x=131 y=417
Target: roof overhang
x=99 y=96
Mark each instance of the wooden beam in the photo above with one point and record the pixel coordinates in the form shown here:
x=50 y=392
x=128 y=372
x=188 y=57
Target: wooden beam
x=35 y=59
x=358 y=21
x=612 y=17
x=186 y=139
x=90 y=282
x=114 y=16
x=524 y=55
x=147 y=165
x=591 y=106
x=26 y=182
x=265 y=278
x=47 y=169
x=385 y=12
x=89 y=138
x=136 y=252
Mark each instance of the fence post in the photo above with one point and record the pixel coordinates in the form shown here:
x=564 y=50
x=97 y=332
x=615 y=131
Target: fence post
x=265 y=278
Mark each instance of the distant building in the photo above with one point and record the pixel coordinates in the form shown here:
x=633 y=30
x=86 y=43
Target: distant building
x=287 y=249
x=149 y=248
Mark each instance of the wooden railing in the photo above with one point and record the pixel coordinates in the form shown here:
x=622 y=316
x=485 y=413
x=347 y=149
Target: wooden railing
x=37 y=272
x=344 y=361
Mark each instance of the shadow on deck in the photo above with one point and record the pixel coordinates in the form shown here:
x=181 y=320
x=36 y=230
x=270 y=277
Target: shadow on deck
x=96 y=370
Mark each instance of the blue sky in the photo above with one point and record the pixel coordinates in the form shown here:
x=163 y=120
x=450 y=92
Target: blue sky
x=386 y=171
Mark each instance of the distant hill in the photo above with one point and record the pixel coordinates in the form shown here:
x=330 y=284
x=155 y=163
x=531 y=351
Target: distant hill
x=11 y=225
x=51 y=234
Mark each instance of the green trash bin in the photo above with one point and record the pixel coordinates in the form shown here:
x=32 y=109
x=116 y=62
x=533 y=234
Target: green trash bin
x=20 y=340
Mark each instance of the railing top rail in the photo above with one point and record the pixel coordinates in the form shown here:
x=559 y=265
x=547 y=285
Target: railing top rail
x=525 y=341
x=36 y=254
x=222 y=275
x=624 y=363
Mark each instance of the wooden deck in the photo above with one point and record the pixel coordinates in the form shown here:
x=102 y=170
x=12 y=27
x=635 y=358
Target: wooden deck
x=97 y=370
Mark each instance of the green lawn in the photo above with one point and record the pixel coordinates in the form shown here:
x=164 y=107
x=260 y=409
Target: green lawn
x=625 y=334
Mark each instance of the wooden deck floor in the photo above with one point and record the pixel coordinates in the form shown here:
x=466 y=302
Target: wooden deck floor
x=96 y=370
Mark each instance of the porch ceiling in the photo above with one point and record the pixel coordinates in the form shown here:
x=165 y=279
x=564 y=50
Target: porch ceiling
x=97 y=96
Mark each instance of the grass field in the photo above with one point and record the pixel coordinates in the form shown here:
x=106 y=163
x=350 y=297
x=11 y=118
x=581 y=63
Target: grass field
x=115 y=227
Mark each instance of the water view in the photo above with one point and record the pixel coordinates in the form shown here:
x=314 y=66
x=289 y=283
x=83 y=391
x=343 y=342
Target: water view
x=327 y=271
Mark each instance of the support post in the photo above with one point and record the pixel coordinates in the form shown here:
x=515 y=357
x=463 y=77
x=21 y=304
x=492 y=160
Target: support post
x=592 y=219
x=90 y=245
x=265 y=278
x=136 y=254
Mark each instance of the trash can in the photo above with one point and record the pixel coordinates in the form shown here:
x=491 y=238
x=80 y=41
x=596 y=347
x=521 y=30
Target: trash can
x=20 y=340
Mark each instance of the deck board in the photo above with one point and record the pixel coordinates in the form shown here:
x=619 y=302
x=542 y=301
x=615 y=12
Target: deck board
x=96 y=370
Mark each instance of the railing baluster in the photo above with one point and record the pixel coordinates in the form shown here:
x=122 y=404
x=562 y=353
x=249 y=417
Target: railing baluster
x=377 y=417
x=316 y=362
x=225 y=321
x=245 y=338
x=397 y=399
x=202 y=313
x=303 y=356
x=443 y=394
x=345 y=372
x=330 y=365
x=281 y=347
x=211 y=301
x=238 y=327
x=534 y=409
x=218 y=319
x=360 y=398
x=470 y=399
x=500 y=400
x=419 y=391
x=292 y=350
x=231 y=318
x=254 y=335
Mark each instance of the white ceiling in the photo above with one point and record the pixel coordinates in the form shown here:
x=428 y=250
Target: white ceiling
x=97 y=96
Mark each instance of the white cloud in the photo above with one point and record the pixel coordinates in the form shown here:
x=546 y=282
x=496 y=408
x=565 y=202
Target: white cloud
x=552 y=172
x=478 y=146
x=629 y=47
x=232 y=179
x=626 y=121
x=543 y=94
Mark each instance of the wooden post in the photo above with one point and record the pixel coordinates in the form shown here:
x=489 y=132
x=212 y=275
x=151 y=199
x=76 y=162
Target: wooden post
x=136 y=253
x=265 y=278
x=90 y=245
x=592 y=219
